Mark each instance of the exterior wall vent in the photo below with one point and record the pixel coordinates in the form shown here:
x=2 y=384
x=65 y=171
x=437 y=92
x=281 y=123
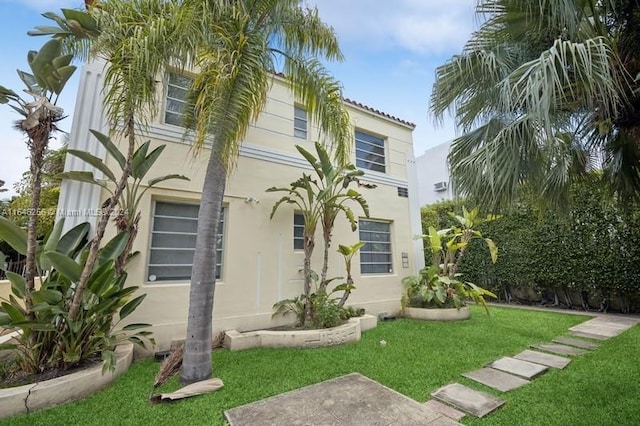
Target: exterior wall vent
x=403 y=192
x=440 y=186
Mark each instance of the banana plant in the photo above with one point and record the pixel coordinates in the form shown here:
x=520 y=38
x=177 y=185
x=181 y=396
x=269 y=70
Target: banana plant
x=321 y=199
x=128 y=216
x=49 y=338
x=440 y=283
x=51 y=70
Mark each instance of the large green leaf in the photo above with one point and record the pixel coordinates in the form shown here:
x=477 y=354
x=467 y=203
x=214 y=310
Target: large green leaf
x=113 y=248
x=65 y=265
x=15 y=313
x=86 y=177
x=74 y=240
x=139 y=157
x=159 y=179
x=139 y=170
x=18 y=284
x=93 y=161
x=48 y=296
x=127 y=309
x=110 y=147
x=13 y=235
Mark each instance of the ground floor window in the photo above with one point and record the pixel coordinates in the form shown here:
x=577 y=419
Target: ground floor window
x=375 y=255
x=173 y=241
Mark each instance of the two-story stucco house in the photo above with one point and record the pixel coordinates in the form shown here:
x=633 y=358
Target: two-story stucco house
x=260 y=260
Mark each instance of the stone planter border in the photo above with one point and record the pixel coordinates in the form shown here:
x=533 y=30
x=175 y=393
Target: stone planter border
x=72 y=387
x=449 y=314
x=349 y=332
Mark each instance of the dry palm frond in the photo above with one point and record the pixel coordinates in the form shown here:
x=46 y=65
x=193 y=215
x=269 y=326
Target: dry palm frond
x=170 y=366
x=218 y=341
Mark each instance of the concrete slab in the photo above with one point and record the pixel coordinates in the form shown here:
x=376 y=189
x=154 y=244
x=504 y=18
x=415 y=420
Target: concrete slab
x=560 y=349
x=608 y=326
x=589 y=335
x=496 y=379
x=468 y=400
x=445 y=409
x=348 y=400
x=525 y=369
x=542 y=358
x=578 y=343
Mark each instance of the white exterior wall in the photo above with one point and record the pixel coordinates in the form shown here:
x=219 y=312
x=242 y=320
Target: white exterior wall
x=433 y=167
x=260 y=266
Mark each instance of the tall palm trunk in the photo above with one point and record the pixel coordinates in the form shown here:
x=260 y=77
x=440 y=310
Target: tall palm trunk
x=325 y=259
x=39 y=141
x=196 y=364
x=309 y=244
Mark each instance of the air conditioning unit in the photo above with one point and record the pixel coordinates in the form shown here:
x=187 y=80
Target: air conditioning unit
x=440 y=186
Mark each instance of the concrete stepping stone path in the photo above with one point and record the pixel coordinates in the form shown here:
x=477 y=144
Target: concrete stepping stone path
x=471 y=401
x=444 y=409
x=524 y=369
x=605 y=327
x=588 y=335
x=496 y=379
x=578 y=343
x=560 y=349
x=542 y=358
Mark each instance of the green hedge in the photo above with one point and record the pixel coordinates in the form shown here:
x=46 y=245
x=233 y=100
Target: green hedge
x=585 y=256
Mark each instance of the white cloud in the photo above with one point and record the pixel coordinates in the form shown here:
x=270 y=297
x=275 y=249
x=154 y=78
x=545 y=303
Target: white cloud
x=421 y=26
x=49 y=5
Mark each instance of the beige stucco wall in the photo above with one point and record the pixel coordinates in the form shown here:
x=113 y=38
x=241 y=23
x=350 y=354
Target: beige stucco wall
x=260 y=265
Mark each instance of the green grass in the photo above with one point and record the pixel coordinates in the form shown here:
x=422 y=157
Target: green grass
x=598 y=388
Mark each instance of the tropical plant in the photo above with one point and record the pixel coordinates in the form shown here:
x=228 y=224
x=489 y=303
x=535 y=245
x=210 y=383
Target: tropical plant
x=541 y=93
x=51 y=70
x=320 y=200
x=49 y=338
x=440 y=283
x=142 y=161
x=348 y=286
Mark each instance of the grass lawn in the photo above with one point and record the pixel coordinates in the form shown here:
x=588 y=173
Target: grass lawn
x=598 y=388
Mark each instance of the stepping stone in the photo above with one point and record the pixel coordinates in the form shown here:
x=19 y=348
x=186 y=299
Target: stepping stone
x=560 y=349
x=444 y=409
x=496 y=379
x=578 y=343
x=468 y=400
x=542 y=358
x=525 y=369
x=589 y=335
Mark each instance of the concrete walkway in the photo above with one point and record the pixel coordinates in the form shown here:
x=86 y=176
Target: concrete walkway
x=348 y=400
x=509 y=373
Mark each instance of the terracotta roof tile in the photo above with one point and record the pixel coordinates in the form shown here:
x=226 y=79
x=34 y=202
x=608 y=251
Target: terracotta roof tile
x=376 y=111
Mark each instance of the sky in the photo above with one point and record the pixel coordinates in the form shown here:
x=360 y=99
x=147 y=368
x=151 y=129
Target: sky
x=391 y=50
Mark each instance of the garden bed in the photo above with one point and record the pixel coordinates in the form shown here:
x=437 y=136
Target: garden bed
x=68 y=388
x=438 y=314
x=345 y=333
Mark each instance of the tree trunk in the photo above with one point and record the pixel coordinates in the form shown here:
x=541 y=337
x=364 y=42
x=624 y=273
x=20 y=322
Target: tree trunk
x=94 y=249
x=325 y=260
x=196 y=364
x=309 y=244
x=38 y=146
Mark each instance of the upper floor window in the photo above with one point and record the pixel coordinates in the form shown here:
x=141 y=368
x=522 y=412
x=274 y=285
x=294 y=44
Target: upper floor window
x=370 y=152
x=300 y=123
x=298 y=231
x=173 y=241
x=177 y=88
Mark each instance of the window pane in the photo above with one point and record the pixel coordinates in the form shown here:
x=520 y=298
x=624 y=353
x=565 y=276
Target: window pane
x=299 y=123
x=175 y=100
x=298 y=231
x=173 y=241
x=375 y=255
x=370 y=152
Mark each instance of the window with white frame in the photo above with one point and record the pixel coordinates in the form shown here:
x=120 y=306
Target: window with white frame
x=173 y=241
x=300 y=123
x=176 y=101
x=370 y=154
x=298 y=231
x=375 y=255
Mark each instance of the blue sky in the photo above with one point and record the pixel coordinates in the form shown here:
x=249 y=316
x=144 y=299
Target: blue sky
x=391 y=51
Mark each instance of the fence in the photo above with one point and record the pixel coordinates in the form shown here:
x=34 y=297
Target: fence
x=17 y=266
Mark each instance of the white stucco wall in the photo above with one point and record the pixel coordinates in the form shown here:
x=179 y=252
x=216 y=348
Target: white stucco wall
x=432 y=167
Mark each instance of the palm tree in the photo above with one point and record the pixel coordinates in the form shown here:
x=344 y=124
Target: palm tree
x=243 y=43
x=541 y=92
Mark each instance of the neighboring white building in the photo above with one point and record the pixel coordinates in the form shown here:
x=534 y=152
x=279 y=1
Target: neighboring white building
x=433 y=175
